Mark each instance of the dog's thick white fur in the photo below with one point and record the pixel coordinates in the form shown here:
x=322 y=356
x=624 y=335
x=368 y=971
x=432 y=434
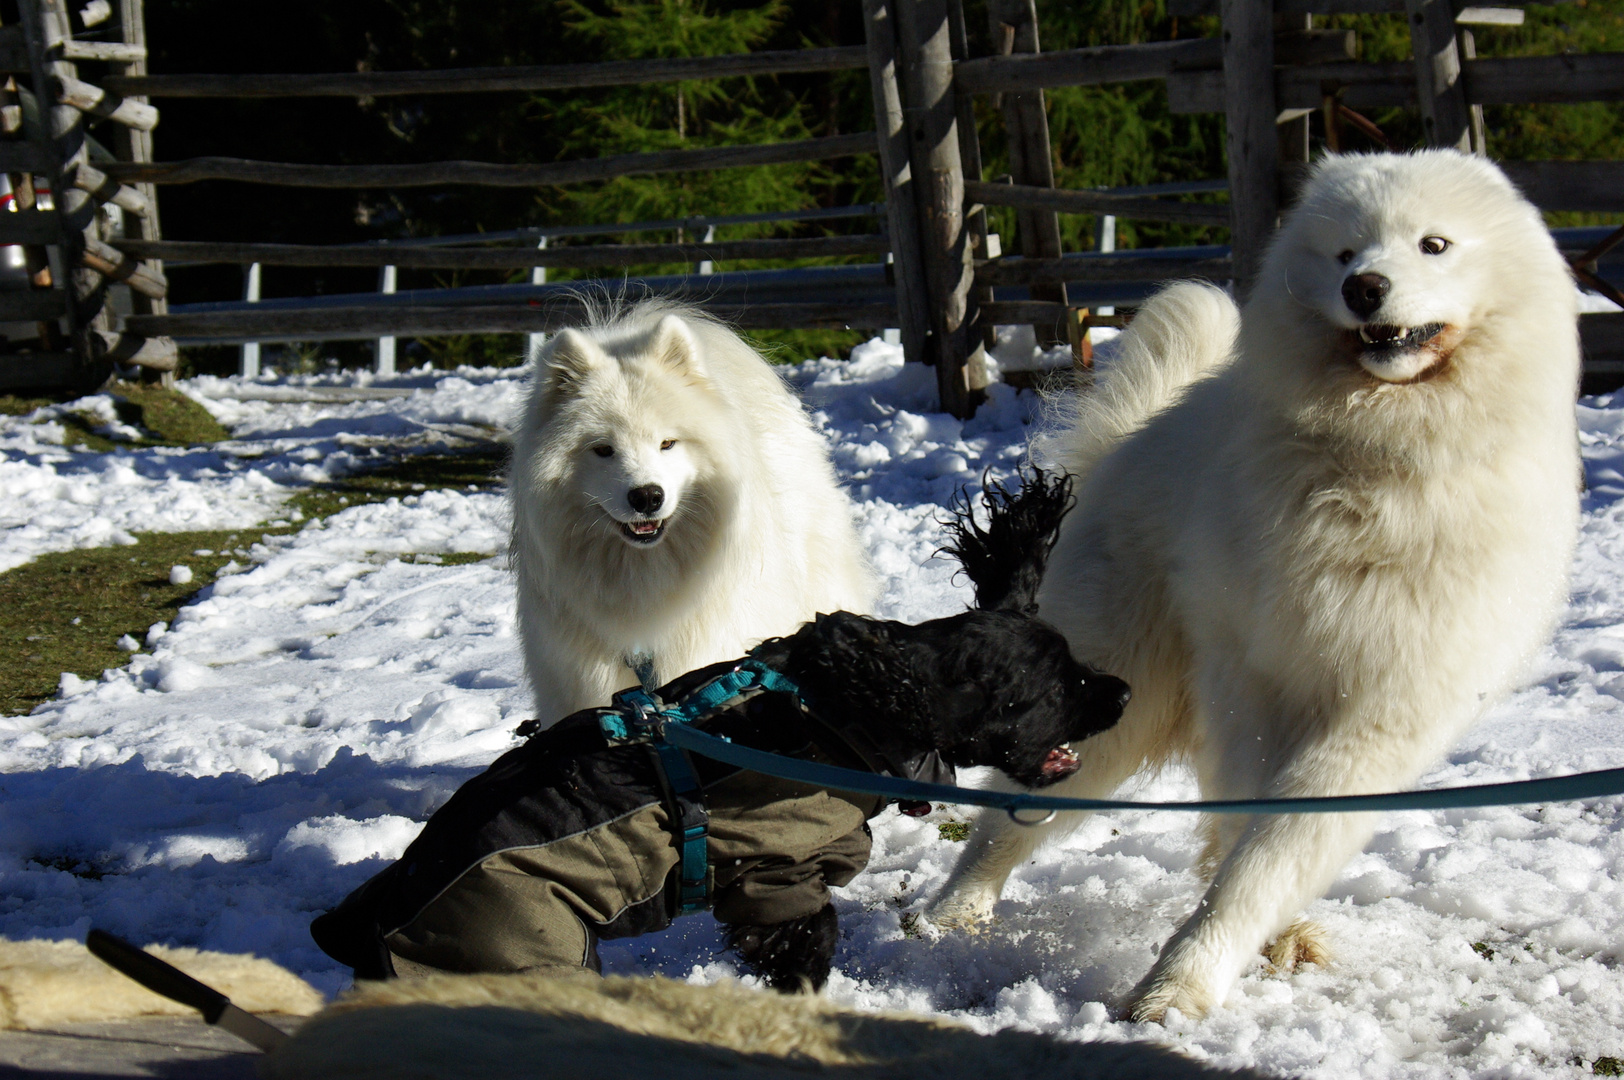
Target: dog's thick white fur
x=670 y=498
x=497 y=1027
x=1316 y=542
x=45 y=984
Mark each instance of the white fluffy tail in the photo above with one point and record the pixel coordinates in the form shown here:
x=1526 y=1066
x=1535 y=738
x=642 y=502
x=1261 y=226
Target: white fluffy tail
x=1181 y=334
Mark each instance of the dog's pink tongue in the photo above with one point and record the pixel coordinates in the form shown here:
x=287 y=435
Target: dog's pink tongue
x=644 y=528
x=1061 y=762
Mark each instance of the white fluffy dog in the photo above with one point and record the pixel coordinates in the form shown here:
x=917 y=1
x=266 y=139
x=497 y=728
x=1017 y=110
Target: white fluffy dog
x=1317 y=537
x=671 y=500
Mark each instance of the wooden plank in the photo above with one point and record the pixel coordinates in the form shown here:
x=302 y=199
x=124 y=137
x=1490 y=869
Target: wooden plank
x=1073 y=201
x=1440 y=94
x=1250 y=143
x=1189 y=8
x=99 y=103
x=1045 y=313
x=932 y=124
x=486 y=174
x=1128 y=63
x=326 y=323
x=901 y=202
x=488 y=79
x=1085 y=67
x=1513 y=80
x=33 y=305
x=451 y=258
x=26 y=157
x=1102 y=268
x=153 y=353
x=104 y=189
x=104 y=52
x=1561 y=80
x=1594 y=186
x=1299 y=45
x=1185 y=9
x=30 y=227
x=145 y=278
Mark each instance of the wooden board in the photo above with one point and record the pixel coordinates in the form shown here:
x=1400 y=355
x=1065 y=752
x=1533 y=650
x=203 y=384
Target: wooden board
x=1101 y=268
x=487 y=174
x=1595 y=186
x=327 y=323
x=1072 y=201
x=1518 y=80
x=1085 y=67
x=506 y=258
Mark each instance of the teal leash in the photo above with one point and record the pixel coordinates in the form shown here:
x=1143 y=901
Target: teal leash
x=669 y=725
x=1588 y=785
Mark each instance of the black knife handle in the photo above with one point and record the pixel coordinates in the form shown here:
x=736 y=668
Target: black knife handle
x=156 y=975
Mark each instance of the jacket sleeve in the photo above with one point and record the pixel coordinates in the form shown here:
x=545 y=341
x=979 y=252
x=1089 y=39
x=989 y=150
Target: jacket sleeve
x=777 y=847
x=773 y=889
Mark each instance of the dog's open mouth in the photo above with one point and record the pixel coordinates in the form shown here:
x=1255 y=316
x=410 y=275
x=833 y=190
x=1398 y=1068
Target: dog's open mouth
x=1060 y=763
x=642 y=532
x=1384 y=338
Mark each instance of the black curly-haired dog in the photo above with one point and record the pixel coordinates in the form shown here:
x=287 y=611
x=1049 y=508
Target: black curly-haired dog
x=568 y=839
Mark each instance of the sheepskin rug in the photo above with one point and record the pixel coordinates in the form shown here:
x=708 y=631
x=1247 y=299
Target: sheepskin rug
x=45 y=984
x=493 y=1027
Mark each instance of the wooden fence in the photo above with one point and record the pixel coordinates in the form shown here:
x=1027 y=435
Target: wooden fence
x=96 y=296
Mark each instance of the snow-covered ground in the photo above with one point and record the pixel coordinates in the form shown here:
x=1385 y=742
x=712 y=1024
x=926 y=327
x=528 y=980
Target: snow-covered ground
x=284 y=737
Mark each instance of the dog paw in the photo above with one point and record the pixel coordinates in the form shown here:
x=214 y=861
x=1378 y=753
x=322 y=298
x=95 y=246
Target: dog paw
x=967 y=911
x=1155 y=998
x=790 y=957
x=1302 y=942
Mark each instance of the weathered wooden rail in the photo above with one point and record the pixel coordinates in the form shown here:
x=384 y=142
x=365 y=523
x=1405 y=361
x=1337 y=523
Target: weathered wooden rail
x=947 y=281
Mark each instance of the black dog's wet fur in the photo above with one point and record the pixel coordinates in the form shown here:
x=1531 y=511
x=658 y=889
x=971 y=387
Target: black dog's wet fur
x=994 y=686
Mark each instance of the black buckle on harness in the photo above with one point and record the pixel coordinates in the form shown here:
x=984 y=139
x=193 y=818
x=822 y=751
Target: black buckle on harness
x=637 y=718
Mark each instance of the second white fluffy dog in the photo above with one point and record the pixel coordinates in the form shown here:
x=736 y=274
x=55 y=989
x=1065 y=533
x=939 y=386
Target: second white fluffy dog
x=671 y=500
x=1316 y=537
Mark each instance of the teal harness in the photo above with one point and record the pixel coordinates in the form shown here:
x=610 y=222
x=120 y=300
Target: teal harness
x=640 y=716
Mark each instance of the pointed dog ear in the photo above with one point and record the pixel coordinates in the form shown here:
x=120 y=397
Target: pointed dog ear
x=570 y=357
x=673 y=344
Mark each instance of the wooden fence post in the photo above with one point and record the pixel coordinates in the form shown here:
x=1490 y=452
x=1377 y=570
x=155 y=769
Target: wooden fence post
x=930 y=113
x=135 y=144
x=1445 y=117
x=1250 y=138
x=45 y=27
x=1014 y=28
x=901 y=207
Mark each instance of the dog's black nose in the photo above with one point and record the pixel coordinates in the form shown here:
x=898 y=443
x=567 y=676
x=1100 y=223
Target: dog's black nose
x=646 y=499
x=1364 y=293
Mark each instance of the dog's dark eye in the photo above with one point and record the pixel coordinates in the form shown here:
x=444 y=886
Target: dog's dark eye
x=668 y=444
x=604 y=451
x=1344 y=257
x=1434 y=245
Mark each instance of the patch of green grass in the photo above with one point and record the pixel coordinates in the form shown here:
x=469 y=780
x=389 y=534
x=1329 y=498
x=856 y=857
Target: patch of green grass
x=954 y=832
x=165 y=417
x=171 y=416
x=1483 y=949
x=1607 y=1066
x=67 y=610
x=479 y=470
